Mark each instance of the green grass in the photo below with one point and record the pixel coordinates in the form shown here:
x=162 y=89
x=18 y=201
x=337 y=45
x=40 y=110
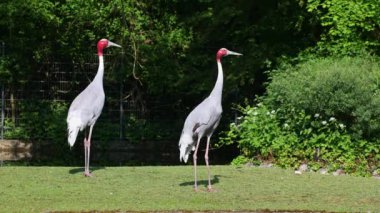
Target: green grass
x=41 y=189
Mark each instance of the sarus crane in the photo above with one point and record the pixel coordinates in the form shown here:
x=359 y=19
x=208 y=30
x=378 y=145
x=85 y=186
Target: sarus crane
x=87 y=107
x=203 y=120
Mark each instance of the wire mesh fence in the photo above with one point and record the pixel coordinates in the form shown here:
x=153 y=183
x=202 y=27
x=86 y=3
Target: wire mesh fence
x=56 y=83
x=133 y=127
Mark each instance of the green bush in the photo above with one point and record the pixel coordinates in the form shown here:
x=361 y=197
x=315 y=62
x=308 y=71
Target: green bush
x=264 y=135
x=260 y=136
x=346 y=88
x=323 y=112
x=39 y=120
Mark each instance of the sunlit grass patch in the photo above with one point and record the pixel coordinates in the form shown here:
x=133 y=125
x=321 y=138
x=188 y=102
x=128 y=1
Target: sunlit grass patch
x=161 y=188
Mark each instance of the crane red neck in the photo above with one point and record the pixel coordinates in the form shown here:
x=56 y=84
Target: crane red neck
x=103 y=43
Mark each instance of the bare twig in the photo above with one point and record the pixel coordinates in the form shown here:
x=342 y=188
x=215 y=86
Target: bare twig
x=134 y=62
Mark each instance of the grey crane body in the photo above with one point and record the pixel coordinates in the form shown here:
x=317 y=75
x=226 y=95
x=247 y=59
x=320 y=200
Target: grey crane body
x=87 y=107
x=203 y=120
x=82 y=107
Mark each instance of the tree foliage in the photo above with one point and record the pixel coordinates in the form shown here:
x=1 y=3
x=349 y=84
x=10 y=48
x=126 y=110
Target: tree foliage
x=347 y=26
x=27 y=29
x=169 y=46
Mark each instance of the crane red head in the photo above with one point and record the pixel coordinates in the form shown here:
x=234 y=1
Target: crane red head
x=104 y=43
x=224 y=52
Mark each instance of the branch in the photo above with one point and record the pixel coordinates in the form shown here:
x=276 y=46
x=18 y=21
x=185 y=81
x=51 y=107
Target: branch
x=134 y=62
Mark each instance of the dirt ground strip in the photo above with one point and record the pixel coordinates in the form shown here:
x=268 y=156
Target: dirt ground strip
x=259 y=211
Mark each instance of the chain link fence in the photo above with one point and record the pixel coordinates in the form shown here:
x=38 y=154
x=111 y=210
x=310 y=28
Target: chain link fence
x=132 y=127
x=59 y=82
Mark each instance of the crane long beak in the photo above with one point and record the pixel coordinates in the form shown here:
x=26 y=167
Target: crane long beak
x=233 y=53
x=110 y=44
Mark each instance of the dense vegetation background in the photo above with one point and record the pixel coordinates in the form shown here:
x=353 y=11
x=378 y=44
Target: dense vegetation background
x=307 y=86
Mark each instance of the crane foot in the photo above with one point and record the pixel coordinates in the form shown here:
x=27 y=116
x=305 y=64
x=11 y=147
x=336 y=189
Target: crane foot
x=87 y=174
x=210 y=189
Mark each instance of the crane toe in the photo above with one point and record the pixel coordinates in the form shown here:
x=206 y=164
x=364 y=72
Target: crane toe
x=210 y=189
x=87 y=174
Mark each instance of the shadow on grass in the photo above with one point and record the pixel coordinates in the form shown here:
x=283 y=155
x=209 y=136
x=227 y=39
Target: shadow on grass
x=214 y=180
x=81 y=170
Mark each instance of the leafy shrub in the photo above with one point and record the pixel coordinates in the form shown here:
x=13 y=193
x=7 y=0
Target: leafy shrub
x=346 y=88
x=39 y=120
x=262 y=134
x=323 y=112
x=11 y=131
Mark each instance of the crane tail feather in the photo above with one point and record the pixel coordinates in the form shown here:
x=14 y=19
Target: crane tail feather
x=186 y=144
x=73 y=127
x=73 y=133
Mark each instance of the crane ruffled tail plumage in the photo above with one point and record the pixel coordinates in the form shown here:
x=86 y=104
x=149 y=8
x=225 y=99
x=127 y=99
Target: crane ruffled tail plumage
x=186 y=145
x=73 y=127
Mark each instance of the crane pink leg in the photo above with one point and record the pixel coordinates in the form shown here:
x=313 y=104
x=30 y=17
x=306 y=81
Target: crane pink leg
x=87 y=147
x=195 y=164
x=207 y=164
x=86 y=157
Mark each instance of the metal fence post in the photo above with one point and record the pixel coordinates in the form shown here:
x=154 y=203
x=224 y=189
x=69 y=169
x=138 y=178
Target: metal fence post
x=2 y=95
x=121 y=91
x=2 y=111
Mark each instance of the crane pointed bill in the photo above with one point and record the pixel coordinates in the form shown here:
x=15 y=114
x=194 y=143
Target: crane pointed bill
x=111 y=44
x=233 y=53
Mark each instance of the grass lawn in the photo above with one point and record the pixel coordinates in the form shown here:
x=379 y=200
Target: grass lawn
x=170 y=188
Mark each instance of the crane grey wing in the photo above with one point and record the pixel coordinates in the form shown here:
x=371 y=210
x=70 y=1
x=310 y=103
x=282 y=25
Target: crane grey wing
x=89 y=102
x=198 y=125
x=207 y=122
